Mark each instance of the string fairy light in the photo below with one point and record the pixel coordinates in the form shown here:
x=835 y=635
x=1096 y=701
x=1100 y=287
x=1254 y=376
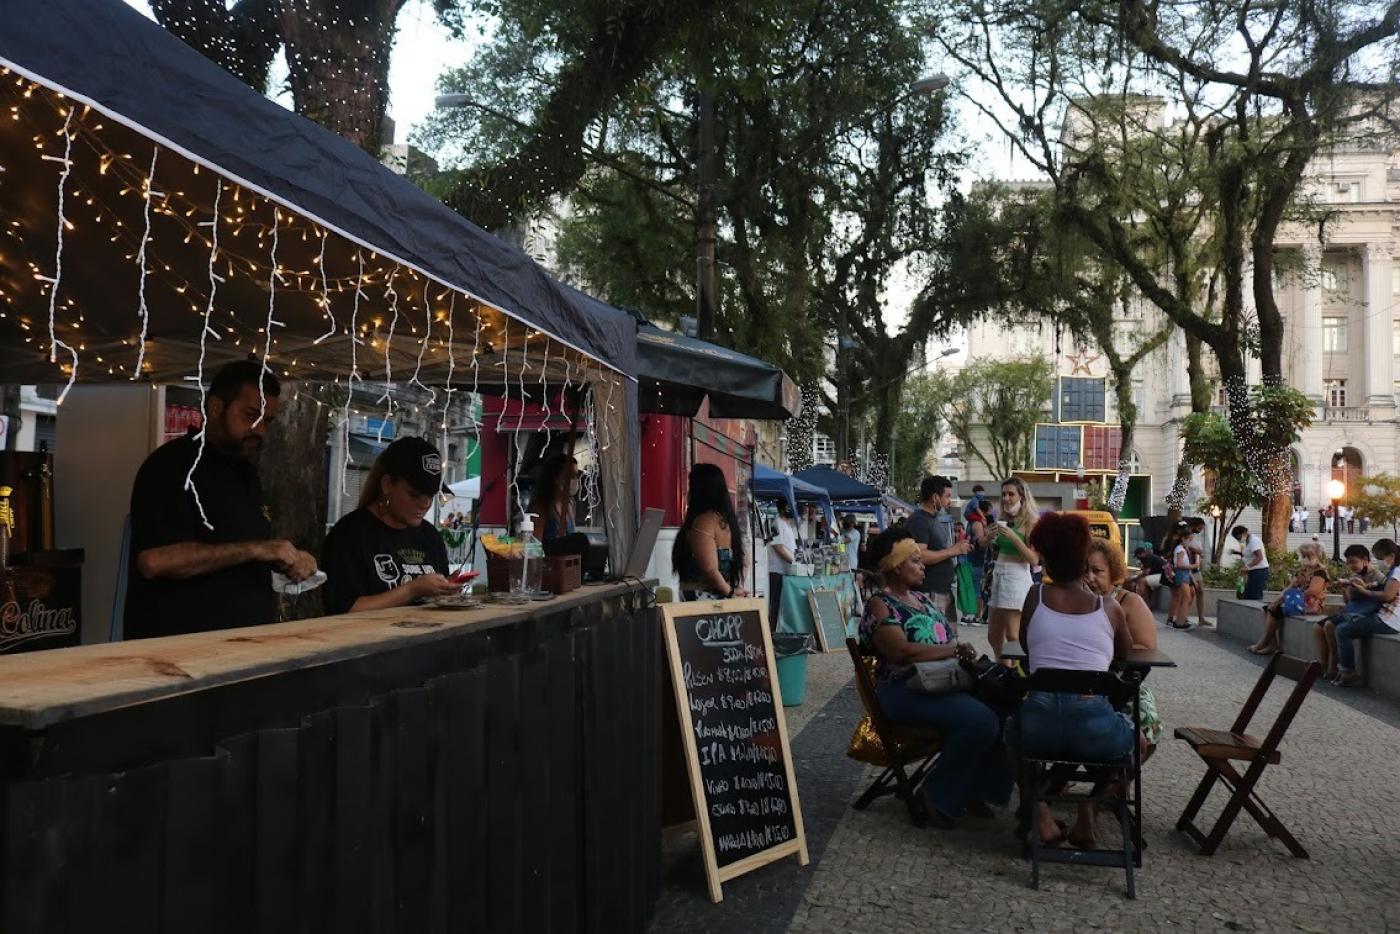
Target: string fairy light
x=451 y=357
x=142 y=310
x=393 y=296
x=422 y=346
x=205 y=332
x=544 y=394
x=592 y=495
x=67 y=163
x=325 y=292
x=354 y=364
x=610 y=502
x=272 y=278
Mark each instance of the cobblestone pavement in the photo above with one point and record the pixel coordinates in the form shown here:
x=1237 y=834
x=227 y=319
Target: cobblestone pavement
x=873 y=871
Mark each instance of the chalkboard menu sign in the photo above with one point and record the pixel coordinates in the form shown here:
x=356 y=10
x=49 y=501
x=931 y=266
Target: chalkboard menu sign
x=731 y=721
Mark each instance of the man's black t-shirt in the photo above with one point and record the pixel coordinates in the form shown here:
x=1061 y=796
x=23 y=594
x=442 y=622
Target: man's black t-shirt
x=163 y=512
x=363 y=557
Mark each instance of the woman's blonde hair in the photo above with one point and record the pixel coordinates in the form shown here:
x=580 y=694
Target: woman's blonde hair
x=1310 y=548
x=1113 y=557
x=1030 y=510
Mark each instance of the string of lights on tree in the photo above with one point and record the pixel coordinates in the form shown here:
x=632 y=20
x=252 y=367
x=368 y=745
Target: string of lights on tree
x=802 y=430
x=166 y=217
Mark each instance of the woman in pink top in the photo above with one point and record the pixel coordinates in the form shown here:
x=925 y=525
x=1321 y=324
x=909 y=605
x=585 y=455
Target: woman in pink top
x=1066 y=626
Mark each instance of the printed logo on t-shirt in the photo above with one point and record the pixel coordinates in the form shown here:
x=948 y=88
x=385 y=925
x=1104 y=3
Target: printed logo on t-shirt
x=398 y=569
x=387 y=569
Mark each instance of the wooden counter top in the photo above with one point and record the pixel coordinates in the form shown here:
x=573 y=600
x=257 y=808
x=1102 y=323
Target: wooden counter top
x=42 y=688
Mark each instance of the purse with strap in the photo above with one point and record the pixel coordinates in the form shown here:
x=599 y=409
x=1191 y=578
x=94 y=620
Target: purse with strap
x=941 y=677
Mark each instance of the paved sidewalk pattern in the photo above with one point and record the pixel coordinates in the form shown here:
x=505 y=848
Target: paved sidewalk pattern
x=873 y=871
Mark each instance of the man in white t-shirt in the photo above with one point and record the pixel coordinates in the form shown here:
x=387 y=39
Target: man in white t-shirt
x=782 y=551
x=1384 y=622
x=851 y=536
x=1256 y=562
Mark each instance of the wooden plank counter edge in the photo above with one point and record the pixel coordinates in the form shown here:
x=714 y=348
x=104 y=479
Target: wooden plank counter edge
x=38 y=689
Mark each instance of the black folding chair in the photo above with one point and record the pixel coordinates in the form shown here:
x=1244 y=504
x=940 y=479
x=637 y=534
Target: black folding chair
x=909 y=751
x=1039 y=777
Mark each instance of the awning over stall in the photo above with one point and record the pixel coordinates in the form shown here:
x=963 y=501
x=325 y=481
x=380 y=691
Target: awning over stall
x=768 y=483
x=676 y=373
x=316 y=240
x=847 y=493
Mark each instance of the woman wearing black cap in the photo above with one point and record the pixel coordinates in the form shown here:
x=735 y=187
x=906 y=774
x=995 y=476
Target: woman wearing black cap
x=383 y=554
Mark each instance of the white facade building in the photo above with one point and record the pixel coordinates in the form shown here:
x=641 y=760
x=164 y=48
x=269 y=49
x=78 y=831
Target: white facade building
x=1341 y=346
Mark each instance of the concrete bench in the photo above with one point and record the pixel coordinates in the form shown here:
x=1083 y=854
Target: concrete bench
x=1377 y=657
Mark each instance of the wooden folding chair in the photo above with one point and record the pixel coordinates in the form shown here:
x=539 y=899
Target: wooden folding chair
x=1220 y=748
x=909 y=751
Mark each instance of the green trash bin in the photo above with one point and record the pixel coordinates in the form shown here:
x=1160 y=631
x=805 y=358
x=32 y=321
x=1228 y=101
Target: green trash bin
x=791 y=650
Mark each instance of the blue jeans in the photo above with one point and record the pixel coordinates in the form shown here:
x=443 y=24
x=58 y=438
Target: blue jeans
x=1254 y=584
x=972 y=764
x=1357 y=627
x=1071 y=726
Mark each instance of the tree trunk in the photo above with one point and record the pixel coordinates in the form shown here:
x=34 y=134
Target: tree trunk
x=338 y=62
x=1127 y=423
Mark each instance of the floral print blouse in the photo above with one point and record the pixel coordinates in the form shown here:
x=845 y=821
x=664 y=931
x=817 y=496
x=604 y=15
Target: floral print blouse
x=922 y=623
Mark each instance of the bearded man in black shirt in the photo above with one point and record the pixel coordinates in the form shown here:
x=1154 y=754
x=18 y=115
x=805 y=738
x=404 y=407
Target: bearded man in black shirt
x=202 y=553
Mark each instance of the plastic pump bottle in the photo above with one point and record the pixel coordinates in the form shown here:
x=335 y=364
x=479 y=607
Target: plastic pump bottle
x=531 y=561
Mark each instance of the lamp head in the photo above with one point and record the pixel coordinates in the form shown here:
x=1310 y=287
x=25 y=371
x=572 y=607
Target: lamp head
x=1336 y=489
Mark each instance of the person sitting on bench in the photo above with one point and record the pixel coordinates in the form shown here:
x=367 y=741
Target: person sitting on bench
x=1360 y=602
x=1303 y=596
x=1384 y=622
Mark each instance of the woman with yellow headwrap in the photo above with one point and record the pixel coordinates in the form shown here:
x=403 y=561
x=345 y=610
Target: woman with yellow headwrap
x=902 y=627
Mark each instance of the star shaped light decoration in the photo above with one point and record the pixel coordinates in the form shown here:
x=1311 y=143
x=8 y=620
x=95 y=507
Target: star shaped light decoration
x=1080 y=361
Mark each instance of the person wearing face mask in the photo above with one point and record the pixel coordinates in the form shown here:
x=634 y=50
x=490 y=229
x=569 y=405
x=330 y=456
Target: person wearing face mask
x=202 y=552
x=1011 y=579
x=383 y=554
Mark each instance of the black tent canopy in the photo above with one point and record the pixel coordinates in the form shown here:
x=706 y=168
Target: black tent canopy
x=675 y=374
x=99 y=106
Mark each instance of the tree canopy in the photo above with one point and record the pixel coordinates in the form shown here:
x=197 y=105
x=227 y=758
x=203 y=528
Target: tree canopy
x=827 y=173
x=1189 y=207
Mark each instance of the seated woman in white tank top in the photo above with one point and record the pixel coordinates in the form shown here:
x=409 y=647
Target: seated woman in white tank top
x=1066 y=626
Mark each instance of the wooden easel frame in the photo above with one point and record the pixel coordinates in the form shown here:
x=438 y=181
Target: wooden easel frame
x=715 y=876
x=815 y=607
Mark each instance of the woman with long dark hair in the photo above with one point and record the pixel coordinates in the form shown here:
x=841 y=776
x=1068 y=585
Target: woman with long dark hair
x=709 y=551
x=553 y=498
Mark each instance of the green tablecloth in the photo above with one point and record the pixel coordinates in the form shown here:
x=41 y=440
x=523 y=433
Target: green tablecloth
x=795 y=613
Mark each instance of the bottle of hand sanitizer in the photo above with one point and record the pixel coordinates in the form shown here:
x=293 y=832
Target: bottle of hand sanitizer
x=531 y=562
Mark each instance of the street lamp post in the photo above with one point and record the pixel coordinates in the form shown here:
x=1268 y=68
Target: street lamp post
x=1336 y=489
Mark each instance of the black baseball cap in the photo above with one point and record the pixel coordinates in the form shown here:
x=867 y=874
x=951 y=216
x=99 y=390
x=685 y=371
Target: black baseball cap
x=416 y=461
